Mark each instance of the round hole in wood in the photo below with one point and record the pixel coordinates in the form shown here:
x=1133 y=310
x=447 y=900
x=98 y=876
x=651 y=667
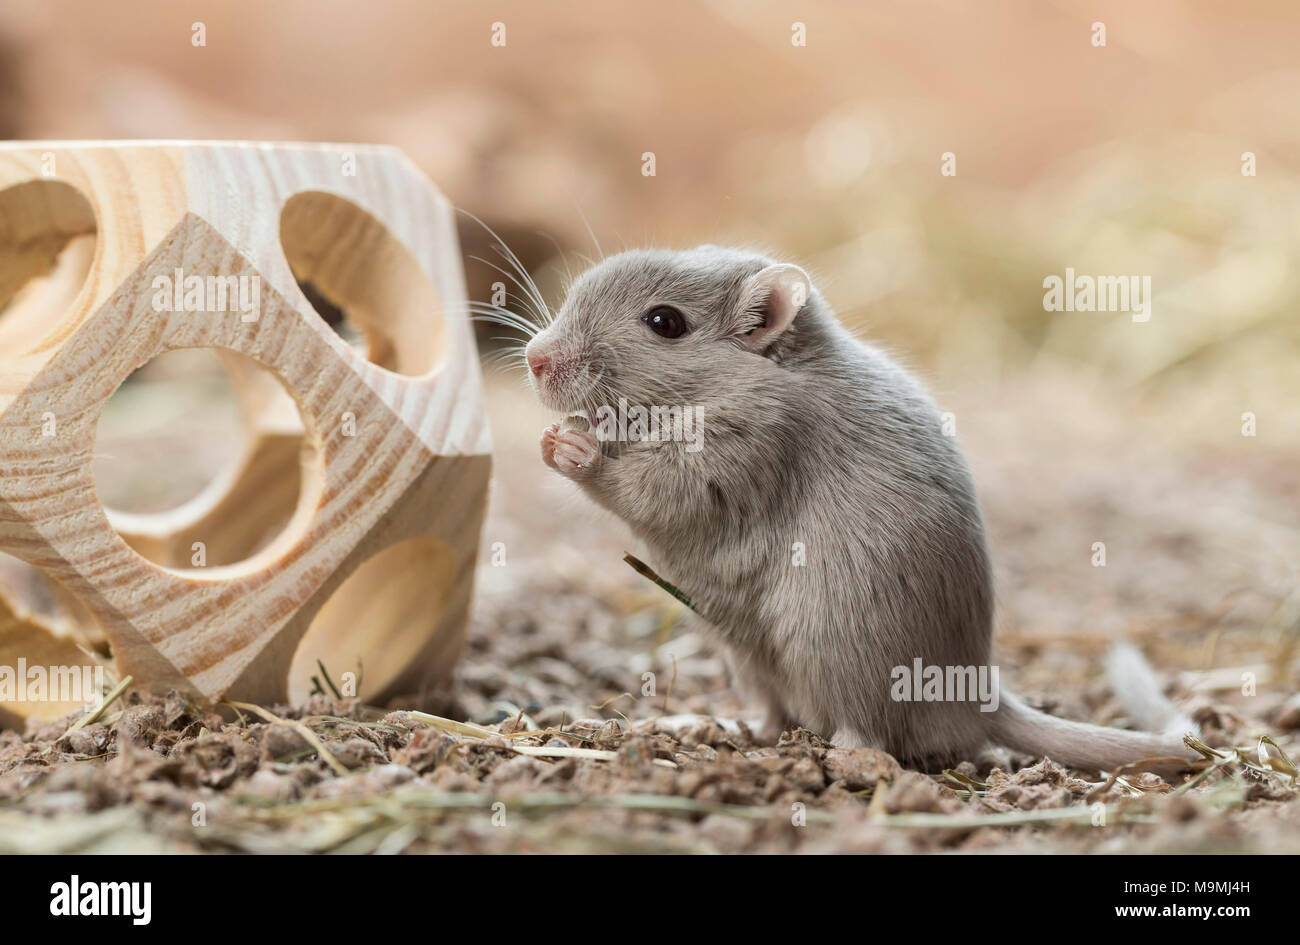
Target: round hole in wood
x=47 y=246
x=199 y=459
x=363 y=282
x=375 y=622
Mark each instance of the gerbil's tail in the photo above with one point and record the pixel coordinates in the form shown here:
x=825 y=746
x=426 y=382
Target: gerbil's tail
x=1095 y=747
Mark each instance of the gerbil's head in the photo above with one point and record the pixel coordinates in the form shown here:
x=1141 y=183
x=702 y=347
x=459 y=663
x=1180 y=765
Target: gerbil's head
x=660 y=327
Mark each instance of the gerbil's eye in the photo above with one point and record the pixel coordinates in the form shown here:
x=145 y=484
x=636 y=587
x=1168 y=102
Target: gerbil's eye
x=665 y=321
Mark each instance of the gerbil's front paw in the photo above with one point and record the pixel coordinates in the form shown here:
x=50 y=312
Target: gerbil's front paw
x=571 y=453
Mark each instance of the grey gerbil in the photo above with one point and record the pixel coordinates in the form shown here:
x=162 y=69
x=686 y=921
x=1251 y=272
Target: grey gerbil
x=813 y=444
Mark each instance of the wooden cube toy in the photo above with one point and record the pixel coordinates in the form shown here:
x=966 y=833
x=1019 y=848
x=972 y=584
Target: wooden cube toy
x=348 y=529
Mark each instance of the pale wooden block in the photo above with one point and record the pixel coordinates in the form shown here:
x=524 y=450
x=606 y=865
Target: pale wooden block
x=395 y=454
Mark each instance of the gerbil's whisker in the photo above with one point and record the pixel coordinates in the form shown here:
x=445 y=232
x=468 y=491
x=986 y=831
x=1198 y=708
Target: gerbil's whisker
x=564 y=257
x=519 y=267
x=506 y=323
x=543 y=311
x=483 y=312
x=529 y=285
x=510 y=349
x=532 y=306
x=519 y=302
x=510 y=357
x=590 y=232
x=487 y=308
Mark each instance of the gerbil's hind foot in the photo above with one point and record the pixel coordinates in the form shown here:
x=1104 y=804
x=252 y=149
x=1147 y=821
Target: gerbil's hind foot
x=572 y=453
x=774 y=723
x=846 y=737
x=993 y=756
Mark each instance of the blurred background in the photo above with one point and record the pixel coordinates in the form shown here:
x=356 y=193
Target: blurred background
x=1118 y=159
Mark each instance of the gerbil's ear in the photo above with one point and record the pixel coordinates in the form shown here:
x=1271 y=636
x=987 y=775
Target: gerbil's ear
x=771 y=299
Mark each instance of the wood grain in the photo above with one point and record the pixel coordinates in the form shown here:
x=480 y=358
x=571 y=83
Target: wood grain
x=393 y=448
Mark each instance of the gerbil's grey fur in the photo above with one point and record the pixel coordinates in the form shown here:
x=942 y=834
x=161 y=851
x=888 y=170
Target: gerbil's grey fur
x=813 y=443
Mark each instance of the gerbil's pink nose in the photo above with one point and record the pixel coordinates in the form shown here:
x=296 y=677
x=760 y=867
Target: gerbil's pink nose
x=537 y=363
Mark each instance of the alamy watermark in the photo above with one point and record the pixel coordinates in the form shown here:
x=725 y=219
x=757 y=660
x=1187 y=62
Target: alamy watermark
x=635 y=423
x=83 y=898
x=36 y=683
x=921 y=683
x=211 y=294
x=1081 y=293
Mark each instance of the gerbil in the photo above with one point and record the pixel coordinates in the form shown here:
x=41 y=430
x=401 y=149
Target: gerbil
x=824 y=524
